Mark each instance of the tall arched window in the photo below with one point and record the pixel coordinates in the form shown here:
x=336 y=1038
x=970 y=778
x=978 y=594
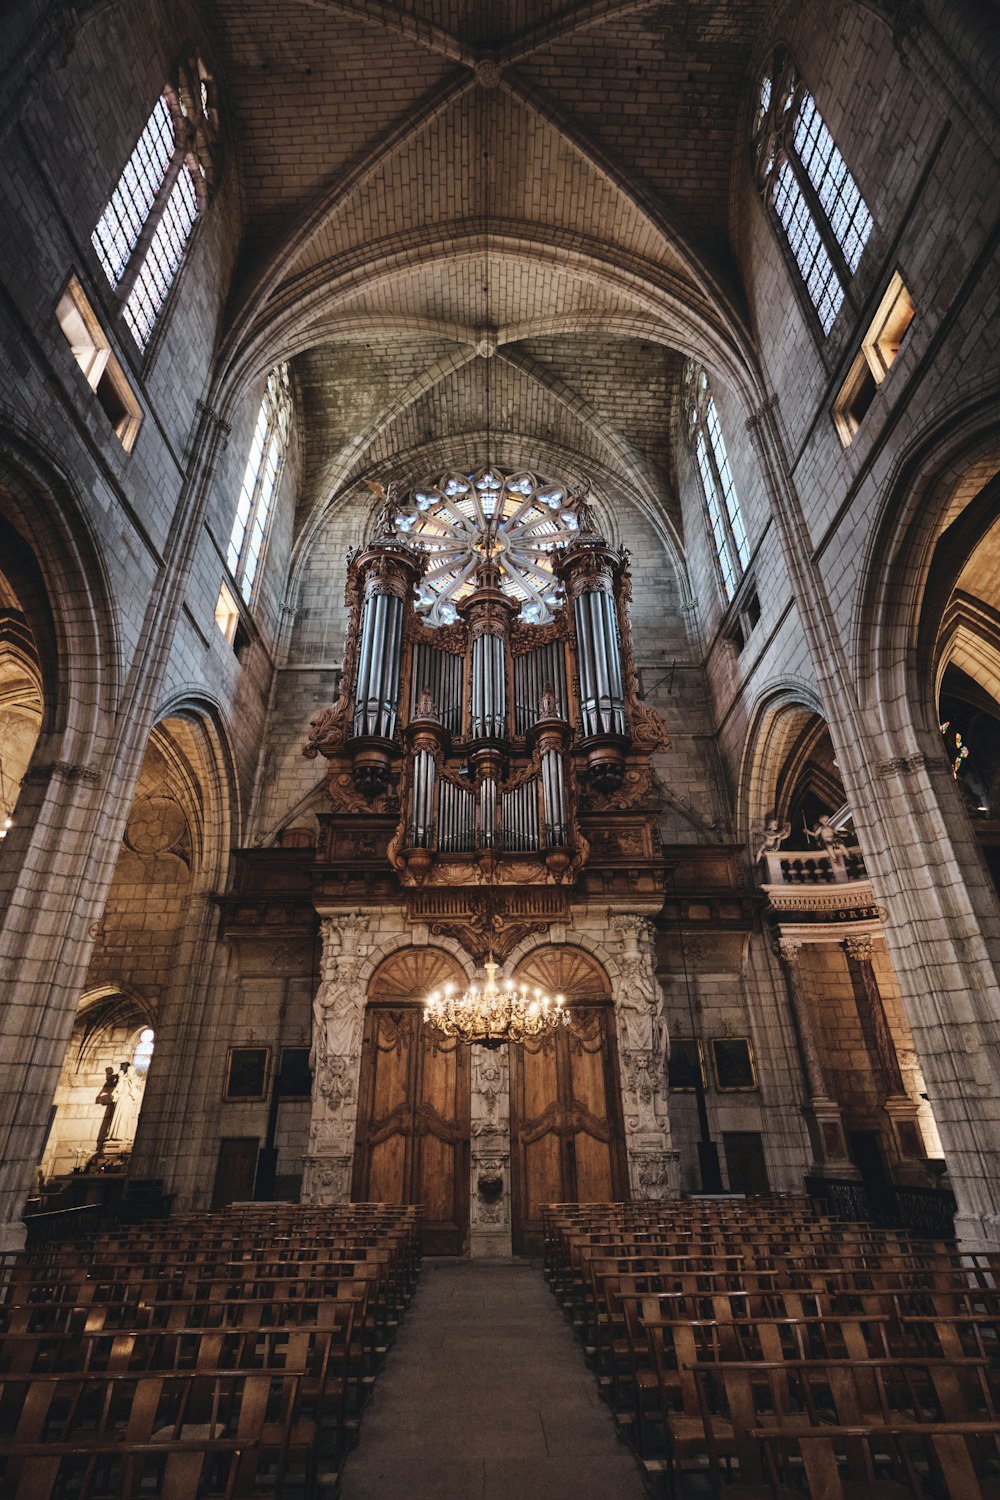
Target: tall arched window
x=260 y=481
x=729 y=536
x=141 y=236
x=807 y=184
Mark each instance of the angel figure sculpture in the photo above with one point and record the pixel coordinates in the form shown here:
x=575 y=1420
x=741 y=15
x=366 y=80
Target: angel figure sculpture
x=826 y=836
x=772 y=838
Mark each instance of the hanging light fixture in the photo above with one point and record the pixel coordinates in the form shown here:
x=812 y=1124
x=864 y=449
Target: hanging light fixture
x=491 y=1014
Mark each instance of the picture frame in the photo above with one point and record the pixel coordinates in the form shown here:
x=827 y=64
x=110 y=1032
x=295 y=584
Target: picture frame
x=733 y=1064
x=685 y=1065
x=247 y=1074
x=294 y=1077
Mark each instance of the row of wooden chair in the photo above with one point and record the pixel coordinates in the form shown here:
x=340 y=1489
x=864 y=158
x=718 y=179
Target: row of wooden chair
x=761 y=1348
x=212 y=1356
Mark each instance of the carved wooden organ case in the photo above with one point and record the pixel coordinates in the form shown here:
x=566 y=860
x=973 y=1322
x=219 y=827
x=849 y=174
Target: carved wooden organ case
x=492 y=735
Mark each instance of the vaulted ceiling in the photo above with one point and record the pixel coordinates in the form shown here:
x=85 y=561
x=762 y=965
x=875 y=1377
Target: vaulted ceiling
x=548 y=185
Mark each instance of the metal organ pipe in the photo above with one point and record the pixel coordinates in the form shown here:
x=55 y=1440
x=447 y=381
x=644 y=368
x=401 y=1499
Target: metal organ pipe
x=422 y=823
x=602 y=700
x=376 y=695
x=553 y=798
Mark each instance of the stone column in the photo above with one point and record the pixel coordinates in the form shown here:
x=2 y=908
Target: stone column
x=643 y=1045
x=903 y=1111
x=823 y=1111
x=335 y=1059
x=490 y=1155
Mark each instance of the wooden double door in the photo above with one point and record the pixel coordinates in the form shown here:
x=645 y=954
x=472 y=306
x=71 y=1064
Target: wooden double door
x=567 y=1138
x=414 y=1106
x=413 y=1123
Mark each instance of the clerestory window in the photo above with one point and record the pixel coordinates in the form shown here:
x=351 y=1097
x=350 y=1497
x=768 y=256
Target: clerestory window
x=143 y=232
x=260 y=481
x=725 y=517
x=809 y=188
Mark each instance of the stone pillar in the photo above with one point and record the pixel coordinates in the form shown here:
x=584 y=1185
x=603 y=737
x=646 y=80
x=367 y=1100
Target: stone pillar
x=490 y=1155
x=643 y=1045
x=823 y=1111
x=335 y=1059
x=903 y=1111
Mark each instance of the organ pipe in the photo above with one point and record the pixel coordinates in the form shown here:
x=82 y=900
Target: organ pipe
x=553 y=799
x=592 y=572
x=422 y=820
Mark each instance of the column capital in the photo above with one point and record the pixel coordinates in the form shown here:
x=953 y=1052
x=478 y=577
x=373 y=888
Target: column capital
x=860 y=946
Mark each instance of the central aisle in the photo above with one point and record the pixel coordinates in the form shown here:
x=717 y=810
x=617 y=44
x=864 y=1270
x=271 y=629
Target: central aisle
x=486 y=1396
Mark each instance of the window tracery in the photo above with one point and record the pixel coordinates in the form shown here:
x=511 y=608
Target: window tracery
x=260 y=481
x=518 y=519
x=725 y=516
x=808 y=185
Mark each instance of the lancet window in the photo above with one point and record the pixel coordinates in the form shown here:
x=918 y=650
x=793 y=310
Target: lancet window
x=808 y=186
x=725 y=517
x=144 y=229
x=260 y=481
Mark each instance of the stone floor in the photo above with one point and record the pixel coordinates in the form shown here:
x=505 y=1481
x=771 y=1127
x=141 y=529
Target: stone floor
x=485 y=1396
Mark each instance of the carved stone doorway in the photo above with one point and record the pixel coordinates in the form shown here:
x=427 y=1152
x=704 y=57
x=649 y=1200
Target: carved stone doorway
x=412 y=1143
x=567 y=1133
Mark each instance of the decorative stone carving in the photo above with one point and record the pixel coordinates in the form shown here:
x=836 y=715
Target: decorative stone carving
x=643 y=1050
x=490 y=1153
x=338 y=1023
x=656 y=1174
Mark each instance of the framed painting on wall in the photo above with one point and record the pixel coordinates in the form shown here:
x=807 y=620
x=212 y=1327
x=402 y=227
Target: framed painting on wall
x=685 y=1065
x=732 y=1063
x=246 y=1073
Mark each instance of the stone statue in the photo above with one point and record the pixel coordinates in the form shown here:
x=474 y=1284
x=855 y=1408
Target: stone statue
x=107 y=1097
x=425 y=705
x=126 y=1115
x=548 y=707
x=827 y=837
x=772 y=838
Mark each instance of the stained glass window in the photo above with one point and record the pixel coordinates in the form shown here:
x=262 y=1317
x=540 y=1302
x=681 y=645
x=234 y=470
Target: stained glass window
x=725 y=516
x=260 y=481
x=804 y=177
x=519 y=519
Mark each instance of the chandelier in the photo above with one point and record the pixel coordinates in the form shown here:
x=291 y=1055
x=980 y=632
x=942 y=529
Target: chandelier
x=492 y=1014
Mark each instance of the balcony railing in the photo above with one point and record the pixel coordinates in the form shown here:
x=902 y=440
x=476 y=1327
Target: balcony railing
x=790 y=867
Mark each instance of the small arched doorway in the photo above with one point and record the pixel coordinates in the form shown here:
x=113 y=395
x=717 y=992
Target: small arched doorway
x=567 y=1135
x=414 y=1096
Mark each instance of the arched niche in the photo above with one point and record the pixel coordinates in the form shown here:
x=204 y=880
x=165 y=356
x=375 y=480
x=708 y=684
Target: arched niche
x=106 y=1033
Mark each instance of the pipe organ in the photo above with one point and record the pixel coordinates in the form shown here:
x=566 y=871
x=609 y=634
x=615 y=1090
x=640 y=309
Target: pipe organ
x=488 y=688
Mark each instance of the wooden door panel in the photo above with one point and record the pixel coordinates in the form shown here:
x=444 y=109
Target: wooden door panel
x=594 y=1177
x=542 y=1168
x=392 y=1039
x=567 y=1138
x=414 y=1122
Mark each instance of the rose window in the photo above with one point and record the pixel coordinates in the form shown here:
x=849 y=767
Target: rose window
x=517 y=520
